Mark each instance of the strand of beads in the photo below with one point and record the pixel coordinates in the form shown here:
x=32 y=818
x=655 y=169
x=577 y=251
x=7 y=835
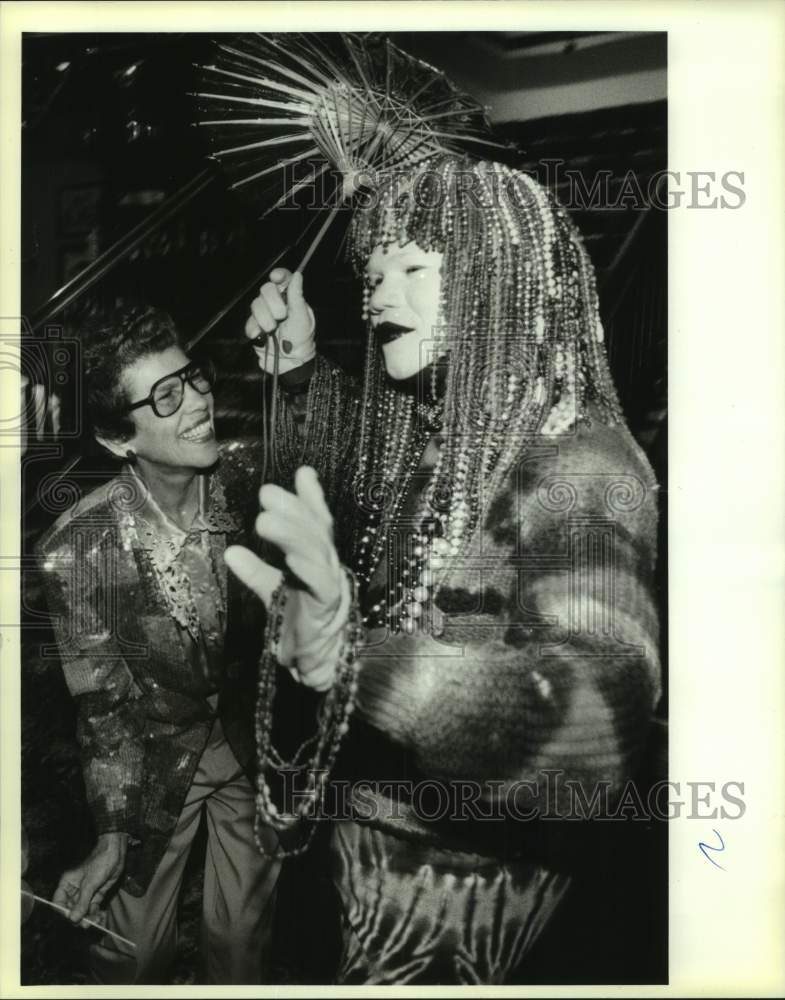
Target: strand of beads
x=428 y=554
x=266 y=810
x=386 y=485
x=396 y=474
x=333 y=727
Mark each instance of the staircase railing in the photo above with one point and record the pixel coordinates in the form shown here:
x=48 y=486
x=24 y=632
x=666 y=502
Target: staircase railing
x=121 y=249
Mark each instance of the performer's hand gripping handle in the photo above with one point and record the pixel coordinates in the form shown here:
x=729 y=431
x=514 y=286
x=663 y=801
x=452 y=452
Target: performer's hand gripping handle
x=280 y=309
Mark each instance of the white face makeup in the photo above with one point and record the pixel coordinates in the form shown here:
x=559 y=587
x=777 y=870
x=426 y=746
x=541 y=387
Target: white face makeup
x=184 y=440
x=404 y=306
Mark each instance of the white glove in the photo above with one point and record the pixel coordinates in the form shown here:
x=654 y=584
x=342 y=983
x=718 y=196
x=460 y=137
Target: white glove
x=301 y=525
x=280 y=308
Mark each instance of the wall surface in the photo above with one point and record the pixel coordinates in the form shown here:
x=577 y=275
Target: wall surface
x=522 y=77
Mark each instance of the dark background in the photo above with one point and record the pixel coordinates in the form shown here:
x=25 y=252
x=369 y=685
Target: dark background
x=107 y=146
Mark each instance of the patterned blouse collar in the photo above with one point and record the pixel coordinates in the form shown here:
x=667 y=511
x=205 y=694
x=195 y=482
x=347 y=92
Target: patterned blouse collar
x=146 y=525
x=165 y=539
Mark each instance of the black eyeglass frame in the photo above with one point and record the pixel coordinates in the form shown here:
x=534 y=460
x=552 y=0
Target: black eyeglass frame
x=186 y=374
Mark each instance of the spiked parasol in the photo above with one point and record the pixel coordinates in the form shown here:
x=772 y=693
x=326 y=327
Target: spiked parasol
x=286 y=113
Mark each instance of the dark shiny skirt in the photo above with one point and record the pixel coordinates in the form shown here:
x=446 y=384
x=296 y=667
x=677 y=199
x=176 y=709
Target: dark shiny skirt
x=417 y=914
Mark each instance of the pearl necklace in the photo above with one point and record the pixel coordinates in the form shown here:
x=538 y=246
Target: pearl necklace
x=393 y=484
x=421 y=558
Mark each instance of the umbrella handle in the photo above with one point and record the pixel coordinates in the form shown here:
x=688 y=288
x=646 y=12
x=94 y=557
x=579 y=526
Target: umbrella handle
x=262 y=338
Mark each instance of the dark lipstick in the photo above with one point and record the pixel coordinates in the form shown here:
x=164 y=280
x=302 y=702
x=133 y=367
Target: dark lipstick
x=387 y=332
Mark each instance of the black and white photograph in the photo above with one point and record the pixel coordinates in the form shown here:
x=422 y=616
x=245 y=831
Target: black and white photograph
x=344 y=504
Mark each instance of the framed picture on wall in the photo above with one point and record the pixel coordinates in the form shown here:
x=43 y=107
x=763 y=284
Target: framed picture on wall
x=78 y=209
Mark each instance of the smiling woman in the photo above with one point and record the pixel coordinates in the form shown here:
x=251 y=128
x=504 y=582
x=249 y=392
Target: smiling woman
x=137 y=587
x=177 y=429
x=151 y=405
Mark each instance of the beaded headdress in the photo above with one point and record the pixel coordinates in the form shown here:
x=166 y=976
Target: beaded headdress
x=519 y=320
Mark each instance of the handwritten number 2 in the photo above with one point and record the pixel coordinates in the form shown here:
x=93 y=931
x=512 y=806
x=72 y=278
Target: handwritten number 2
x=704 y=848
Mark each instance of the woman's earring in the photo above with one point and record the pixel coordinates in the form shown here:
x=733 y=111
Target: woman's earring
x=131 y=456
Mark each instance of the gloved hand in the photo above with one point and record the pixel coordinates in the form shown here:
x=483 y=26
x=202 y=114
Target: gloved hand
x=280 y=308
x=302 y=526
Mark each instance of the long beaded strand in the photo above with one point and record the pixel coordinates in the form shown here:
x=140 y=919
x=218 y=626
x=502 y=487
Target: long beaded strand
x=333 y=726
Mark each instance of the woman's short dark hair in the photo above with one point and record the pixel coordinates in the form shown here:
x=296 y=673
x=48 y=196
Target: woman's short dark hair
x=110 y=345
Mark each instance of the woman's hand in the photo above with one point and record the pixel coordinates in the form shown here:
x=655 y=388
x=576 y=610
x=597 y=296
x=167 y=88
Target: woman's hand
x=301 y=525
x=280 y=308
x=82 y=889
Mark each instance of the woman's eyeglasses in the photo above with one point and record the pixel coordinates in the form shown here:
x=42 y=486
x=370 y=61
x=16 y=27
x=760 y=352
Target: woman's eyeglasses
x=166 y=395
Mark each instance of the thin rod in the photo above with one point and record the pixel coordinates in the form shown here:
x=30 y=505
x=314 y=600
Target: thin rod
x=120 y=249
x=64 y=910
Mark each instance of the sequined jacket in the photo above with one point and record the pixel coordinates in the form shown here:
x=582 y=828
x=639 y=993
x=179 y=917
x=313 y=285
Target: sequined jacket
x=536 y=683
x=142 y=709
